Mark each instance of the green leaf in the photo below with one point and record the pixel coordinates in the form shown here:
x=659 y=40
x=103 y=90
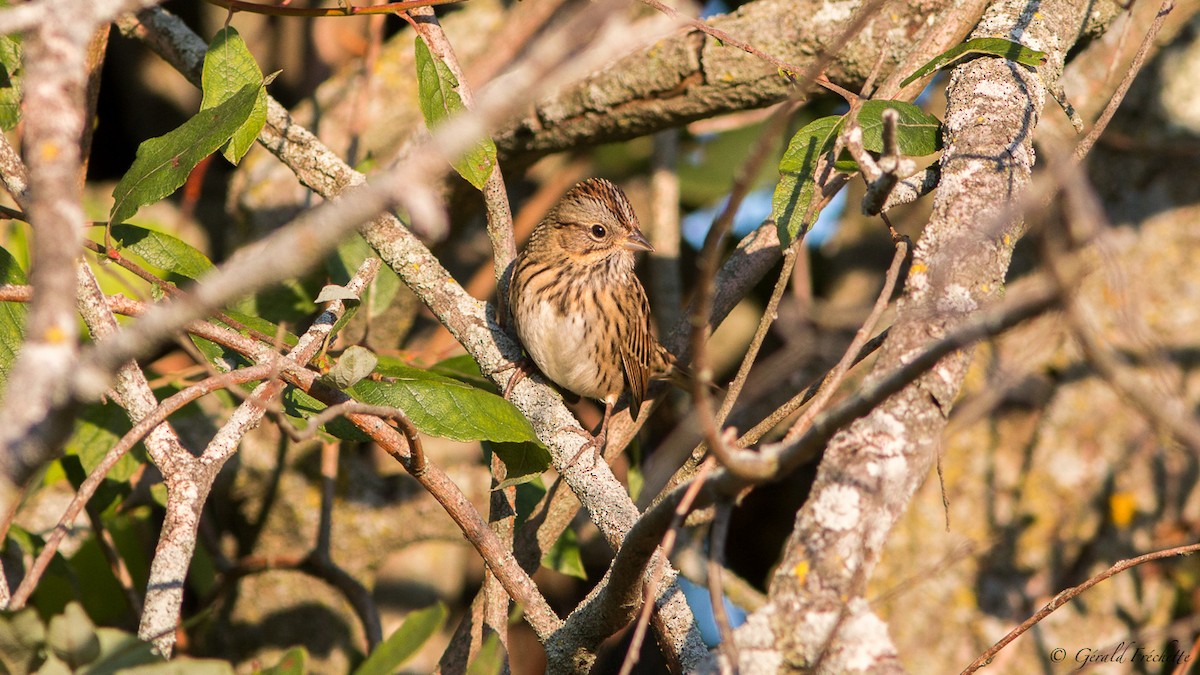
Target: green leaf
x=299 y=406
x=97 y=429
x=439 y=99
x=120 y=651
x=417 y=628
x=797 y=171
x=564 y=557
x=229 y=66
x=352 y=366
x=21 y=638
x=291 y=663
x=1013 y=51
x=183 y=666
x=12 y=316
x=917 y=132
x=263 y=326
x=441 y=406
x=464 y=369
x=345 y=262
x=72 y=636
x=158 y=492
x=10 y=80
x=529 y=495
x=164 y=163
x=523 y=461
x=289 y=302
x=178 y=259
x=490 y=659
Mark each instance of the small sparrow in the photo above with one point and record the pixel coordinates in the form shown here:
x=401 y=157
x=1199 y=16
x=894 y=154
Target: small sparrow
x=579 y=309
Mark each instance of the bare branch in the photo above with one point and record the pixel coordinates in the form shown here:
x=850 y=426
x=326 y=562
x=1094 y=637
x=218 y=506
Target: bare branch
x=30 y=16
x=190 y=480
x=1070 y=594
x=35 y=417
x=96 y=477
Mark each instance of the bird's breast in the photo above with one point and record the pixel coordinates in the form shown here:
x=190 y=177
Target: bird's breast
x=563 y=348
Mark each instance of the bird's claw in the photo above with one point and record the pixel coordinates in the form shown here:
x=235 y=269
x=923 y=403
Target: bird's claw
x=594 y=443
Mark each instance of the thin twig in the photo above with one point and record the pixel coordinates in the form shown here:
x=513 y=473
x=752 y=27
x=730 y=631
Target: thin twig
x=344 y=9
x=664 y=553
x=1070 y=594
x=838 y=374
x=88 y=488
x=716 y=590
x=793 y=404
x=1139 y=58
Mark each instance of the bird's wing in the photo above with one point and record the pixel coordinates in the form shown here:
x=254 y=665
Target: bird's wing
x=641 y=354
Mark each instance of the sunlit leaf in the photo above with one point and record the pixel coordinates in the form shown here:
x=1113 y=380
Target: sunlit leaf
x=293 y=662
x=164 y=163
x=345 y=262
x=1013 y=51
x=438 y=97
x=10 y=79
x=22 y=635
x=490 y=659
x=228 y=67
x=334 y=292
x=97 y=429
x=529 y=495
x=352 y=366
x=416 y=630
x=299 y=406
x=178 y=259
x=72 y=636
x=917 y=132
x=441 y=406
x=12 y=316
x=522 y=461
x=797 y=170
x=464 y=369
x=121 y=651
x=564 y=556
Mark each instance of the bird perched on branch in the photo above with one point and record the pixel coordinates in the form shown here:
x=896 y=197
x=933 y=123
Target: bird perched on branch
x=579 y=309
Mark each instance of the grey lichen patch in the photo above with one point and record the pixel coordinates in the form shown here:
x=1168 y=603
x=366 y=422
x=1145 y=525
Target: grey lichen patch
x=837 y=508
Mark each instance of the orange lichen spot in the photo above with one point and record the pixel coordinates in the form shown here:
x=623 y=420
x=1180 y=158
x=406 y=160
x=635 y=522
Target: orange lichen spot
x=1121 y=508
x=49 y=151
x=800 y=571
x=917 y=268
x=56 y=335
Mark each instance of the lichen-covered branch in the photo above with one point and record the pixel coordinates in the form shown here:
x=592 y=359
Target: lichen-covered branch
x=872 y=468
x=692 y=75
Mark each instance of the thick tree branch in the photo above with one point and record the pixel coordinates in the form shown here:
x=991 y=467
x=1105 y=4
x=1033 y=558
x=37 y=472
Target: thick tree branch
x=692 y=76
x=872 y=468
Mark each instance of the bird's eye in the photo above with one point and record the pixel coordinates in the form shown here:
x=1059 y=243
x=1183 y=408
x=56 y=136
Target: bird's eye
x=598 y=231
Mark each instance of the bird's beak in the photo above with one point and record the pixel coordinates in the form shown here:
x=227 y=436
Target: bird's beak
x=636 y=241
